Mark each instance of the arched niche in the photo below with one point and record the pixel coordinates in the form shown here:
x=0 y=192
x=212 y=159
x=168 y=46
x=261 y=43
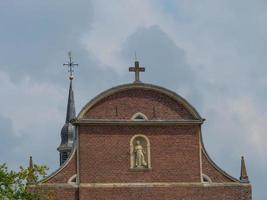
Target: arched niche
x=140 y=157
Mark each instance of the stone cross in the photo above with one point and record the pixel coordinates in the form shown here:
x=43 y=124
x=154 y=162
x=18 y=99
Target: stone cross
x=137 y=69
x=70 y=65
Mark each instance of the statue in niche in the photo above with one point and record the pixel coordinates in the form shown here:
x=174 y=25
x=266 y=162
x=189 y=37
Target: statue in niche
x=139 y=155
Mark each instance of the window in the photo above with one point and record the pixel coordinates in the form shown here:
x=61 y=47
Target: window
x=139 y=116
x=64 y=156
x=140 y=152
x=206 y=179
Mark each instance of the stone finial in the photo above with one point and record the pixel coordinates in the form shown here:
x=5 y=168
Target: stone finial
x=243 y=173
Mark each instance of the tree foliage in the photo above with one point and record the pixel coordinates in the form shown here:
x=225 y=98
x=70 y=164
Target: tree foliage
x=14 y=185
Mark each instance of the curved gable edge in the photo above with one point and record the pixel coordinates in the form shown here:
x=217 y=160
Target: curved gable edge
x=62 y=167
x=214 y=165
x=120 y=88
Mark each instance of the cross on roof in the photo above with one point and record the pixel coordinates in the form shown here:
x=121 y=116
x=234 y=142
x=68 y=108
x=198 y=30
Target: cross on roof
x=137 y=69
x=71 y=65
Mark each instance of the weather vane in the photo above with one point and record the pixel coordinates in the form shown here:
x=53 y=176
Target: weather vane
x=70 y=65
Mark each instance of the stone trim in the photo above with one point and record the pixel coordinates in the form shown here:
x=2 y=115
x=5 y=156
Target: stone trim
x=78 y=154
x=54 y=185
x=200 y=153
x=70 y=181
x=139 y=114
x=137 y=185
x=102 y=122
x=204 y=176
x=158 y=184
x=124 y=87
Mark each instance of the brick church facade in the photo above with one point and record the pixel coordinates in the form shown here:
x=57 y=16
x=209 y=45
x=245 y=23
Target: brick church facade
x=141 y=141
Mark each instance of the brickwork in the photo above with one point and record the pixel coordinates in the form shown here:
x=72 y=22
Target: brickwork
x=105 y=154
x=154 y=105
x=173 y=193
x=66 y=172
x=177 y=157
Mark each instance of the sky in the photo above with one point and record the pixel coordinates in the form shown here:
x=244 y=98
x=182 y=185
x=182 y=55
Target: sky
x=211 y=52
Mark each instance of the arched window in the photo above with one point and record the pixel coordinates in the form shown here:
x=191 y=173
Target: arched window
x=139 y=116
x=206 y=179
x=140 y=152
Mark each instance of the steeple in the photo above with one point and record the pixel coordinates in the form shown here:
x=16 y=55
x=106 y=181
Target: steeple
x=243 y=173
x=30 y=177
x=70 y=106
x=68 y=130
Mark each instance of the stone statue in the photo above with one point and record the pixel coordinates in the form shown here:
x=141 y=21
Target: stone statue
x=139 y=155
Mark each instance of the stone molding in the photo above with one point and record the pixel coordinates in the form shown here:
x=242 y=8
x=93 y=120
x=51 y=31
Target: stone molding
x=103 y=122
x=158 y=184
x=140 y=185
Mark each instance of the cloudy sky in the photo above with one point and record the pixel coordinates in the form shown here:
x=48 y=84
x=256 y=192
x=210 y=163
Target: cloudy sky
x=212 y=52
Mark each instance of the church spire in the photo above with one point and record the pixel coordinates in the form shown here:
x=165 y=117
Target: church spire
x=30 y=177
x=68 y=130
x=71 y=105
x=243 y=173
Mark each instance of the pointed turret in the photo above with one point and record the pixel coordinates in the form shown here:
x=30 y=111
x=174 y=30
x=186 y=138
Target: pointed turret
x=70 y=106
x=243 y=173
x=30 y=178
x=68 y=130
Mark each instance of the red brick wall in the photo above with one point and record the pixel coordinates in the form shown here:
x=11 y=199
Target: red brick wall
x=175 y=154
x=173 y=193
x=105 y=154
x=138 y=100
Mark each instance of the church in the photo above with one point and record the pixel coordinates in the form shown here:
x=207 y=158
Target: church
x=137 y=141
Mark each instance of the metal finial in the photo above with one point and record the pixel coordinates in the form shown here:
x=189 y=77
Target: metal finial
x=135 y=57
x=70 y=65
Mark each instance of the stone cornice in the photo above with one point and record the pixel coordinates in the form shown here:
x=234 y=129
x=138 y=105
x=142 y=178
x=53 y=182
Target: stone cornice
x=139 y=184
x=161 y=184
x=100 y=122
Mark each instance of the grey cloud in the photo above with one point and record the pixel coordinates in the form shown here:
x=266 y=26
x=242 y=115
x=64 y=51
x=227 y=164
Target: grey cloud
x=165 y=62
x=36 y=35
x=9 y=141
x=7 y=135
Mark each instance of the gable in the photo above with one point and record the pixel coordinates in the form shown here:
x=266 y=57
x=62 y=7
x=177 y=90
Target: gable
x=123 y=102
